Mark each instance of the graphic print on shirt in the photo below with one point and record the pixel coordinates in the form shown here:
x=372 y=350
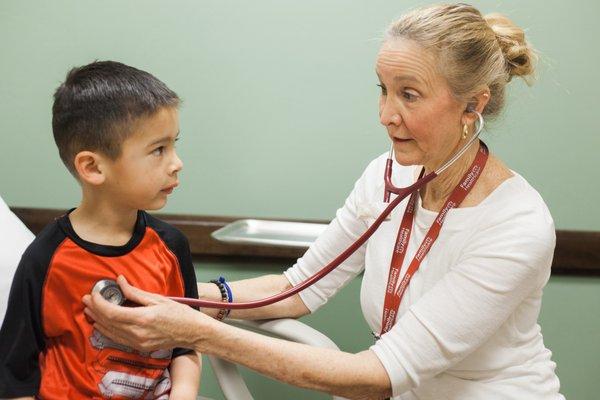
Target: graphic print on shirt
x=121 y=384
x=146 y=370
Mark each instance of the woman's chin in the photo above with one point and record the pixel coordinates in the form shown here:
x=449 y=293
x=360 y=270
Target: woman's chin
x=406 y=160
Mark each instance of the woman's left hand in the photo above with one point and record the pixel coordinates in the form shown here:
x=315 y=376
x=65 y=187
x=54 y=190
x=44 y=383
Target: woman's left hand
x=158 y=323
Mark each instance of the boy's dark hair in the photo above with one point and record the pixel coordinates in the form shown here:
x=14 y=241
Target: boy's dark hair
x=96 y=107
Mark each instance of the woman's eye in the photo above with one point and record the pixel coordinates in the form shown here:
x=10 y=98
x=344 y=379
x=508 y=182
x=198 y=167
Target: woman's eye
x=383 y=89
x=409 y=95
x=159 y=151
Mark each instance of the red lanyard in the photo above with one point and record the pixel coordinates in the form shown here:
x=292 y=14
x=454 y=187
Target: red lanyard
x=393 y=296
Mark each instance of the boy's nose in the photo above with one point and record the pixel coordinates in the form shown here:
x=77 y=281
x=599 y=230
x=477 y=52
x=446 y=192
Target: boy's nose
x=177 y=164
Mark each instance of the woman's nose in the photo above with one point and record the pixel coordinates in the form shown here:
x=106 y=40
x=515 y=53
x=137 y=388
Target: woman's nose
x=388 y=115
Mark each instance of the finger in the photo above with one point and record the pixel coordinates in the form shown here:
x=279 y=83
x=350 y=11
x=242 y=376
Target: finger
x=114 y=335
x=129 y=337
x=109 y=313
x=137 y=295
x=90 y=314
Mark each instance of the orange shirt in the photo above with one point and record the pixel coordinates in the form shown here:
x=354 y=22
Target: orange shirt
x=50 y=349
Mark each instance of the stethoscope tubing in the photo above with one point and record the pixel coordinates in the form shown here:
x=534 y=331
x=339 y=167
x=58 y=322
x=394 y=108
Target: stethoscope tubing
x=401 y=193
x=324 y=271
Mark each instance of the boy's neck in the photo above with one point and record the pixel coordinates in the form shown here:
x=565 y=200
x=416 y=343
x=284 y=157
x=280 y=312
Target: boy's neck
x=103 y=222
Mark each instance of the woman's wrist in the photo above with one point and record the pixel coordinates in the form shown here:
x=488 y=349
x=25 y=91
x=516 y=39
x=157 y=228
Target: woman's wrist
x=209 y=291
x=226 y=297
x=203 y=329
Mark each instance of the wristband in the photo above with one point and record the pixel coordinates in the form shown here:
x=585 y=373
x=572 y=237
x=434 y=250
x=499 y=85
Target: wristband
x=226 y=297
x=228 y=289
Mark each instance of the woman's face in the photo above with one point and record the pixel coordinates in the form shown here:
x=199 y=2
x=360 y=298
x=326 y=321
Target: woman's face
x=416 y=105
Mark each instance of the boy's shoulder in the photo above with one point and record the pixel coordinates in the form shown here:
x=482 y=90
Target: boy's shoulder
x=165 y=230
x=43 y=247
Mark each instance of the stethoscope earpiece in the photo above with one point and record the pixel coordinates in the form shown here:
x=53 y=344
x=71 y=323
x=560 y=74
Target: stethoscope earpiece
x=387 y=177
x=110 y=290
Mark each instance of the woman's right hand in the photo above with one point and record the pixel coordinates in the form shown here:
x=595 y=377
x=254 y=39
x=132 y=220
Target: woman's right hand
x=158 y=323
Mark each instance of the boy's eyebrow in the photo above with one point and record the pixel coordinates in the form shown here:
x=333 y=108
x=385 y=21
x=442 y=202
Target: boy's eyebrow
x=163 y=139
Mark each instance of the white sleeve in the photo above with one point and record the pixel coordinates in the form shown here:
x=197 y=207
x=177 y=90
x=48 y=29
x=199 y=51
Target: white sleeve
x=339 y=234
x=15 y=238
x=502 y=265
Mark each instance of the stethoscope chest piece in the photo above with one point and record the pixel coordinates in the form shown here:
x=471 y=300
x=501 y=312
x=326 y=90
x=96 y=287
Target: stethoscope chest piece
x=110 y=290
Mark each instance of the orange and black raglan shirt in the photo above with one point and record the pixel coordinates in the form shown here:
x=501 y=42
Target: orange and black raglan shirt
x=49 y=349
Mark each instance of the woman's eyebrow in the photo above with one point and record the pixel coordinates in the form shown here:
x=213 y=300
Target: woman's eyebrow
x=410 y=78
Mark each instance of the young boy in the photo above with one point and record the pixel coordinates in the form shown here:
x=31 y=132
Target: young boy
x=115 y=127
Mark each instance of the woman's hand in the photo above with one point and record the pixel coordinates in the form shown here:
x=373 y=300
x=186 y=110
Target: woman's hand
x=158 y=323
x=161 y=323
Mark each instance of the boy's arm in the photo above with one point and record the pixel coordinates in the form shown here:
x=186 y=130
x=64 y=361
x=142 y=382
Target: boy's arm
x=185 y=376
x=187 y=364
x=21 y=335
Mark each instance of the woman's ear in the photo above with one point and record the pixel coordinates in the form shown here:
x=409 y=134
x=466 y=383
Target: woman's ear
x=476 y=103
x=89 y=167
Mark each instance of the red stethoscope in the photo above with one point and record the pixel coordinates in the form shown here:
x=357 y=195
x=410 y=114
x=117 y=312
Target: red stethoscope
x=111 y=291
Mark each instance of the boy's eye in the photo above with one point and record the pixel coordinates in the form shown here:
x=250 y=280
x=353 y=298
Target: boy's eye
x=159 y=151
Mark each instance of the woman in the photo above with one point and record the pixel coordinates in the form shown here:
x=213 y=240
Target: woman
x=466 y=324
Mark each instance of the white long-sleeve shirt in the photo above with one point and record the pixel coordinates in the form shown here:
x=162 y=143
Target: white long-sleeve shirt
x=14 y=238
x=467 y=325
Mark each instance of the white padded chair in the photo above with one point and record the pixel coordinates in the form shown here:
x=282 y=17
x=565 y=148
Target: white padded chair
x=230 y=380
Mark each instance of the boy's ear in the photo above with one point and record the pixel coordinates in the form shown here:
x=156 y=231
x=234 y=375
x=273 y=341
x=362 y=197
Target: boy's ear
x=89 y=167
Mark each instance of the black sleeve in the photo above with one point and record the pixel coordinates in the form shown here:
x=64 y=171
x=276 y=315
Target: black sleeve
x=180 y=246
x=21 y=335
x=187 y=268
x=182 y=251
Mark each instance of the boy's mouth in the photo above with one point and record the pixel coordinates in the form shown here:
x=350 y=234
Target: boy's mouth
x=169 y=189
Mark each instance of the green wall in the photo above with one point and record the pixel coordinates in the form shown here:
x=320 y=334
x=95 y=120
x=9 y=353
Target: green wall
x=280 y=101
x=280 y=118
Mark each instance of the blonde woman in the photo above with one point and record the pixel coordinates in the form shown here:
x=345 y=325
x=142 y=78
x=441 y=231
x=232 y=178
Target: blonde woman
x=465 y=327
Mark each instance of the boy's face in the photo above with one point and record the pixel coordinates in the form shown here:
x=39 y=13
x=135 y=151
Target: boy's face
x=146 y=171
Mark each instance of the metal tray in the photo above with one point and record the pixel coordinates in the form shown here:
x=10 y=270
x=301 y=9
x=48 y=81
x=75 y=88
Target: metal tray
x=270 y=233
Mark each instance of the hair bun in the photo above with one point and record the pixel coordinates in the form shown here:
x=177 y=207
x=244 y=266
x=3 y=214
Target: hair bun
x=519 y=54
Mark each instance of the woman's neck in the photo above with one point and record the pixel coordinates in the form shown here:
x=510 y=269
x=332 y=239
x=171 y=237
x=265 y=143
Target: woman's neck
x=435 y=193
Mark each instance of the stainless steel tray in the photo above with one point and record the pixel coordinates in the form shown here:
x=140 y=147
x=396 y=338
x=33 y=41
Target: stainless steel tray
x=269 y=233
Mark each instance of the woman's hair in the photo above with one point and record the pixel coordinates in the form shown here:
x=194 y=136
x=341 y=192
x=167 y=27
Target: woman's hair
x=472 y=50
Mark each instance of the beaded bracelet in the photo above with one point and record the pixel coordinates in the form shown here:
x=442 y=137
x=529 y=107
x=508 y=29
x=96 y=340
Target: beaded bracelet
x=226 y=296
